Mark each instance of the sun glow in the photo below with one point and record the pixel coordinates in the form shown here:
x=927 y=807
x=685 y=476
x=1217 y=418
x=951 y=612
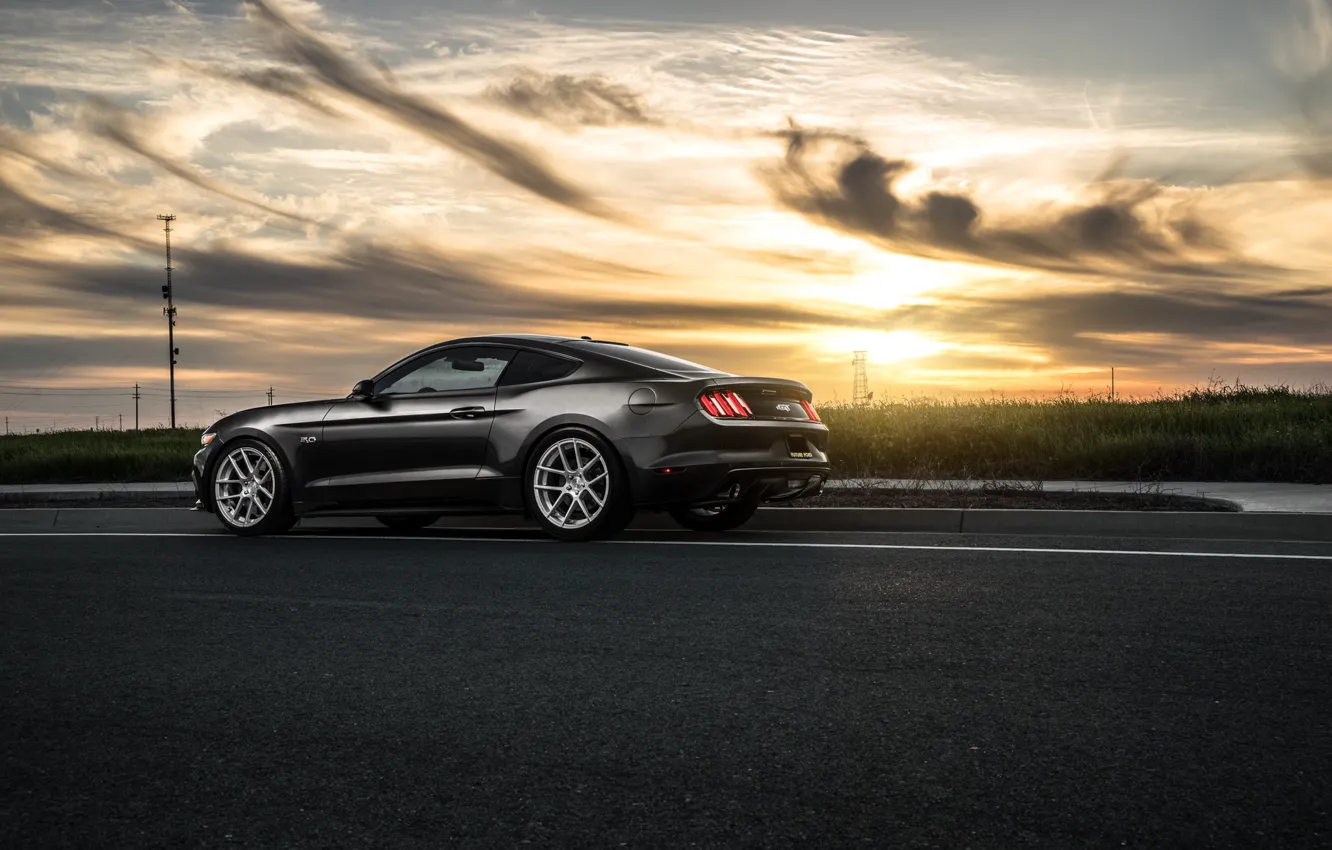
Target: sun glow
x=883 y=346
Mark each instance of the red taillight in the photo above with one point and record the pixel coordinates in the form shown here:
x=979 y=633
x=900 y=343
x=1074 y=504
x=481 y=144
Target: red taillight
x=810 y=411
x=725 y=404
x=739 y=404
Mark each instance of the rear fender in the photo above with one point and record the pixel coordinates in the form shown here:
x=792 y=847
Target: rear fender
x=569 y=420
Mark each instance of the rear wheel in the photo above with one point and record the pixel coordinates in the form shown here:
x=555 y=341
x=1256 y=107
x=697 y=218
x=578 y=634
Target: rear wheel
x=250 y=491
x=408 y=522
x=718 y=517
x=576 y=487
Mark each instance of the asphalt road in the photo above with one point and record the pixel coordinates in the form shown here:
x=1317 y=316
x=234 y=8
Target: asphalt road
x=360 y=691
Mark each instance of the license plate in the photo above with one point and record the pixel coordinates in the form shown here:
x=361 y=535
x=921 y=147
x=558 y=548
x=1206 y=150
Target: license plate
x=798 y=446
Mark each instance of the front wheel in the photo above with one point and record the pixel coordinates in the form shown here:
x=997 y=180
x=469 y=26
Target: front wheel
x=408 y=522
x=716 y=518
x=576 y=488
x=251 y=494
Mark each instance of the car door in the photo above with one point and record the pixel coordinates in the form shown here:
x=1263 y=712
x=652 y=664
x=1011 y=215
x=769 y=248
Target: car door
x=420 y=439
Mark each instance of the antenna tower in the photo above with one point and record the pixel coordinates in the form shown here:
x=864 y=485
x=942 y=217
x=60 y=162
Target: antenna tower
x=170 y=312
x=860 y=382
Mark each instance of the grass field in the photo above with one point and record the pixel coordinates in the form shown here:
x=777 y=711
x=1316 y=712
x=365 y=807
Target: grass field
x=154 y=454
x=1220 y=433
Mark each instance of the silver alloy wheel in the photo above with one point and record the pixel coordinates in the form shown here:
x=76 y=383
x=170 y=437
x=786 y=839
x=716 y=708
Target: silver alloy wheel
x=572 y=483
x=243 y=486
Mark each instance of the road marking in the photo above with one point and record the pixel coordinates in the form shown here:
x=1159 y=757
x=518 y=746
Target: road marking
x=219 y=535
x=925 y=548
x=770 y=544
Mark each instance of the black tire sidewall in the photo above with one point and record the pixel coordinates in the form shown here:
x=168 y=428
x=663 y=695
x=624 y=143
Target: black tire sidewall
x=279 y=517
x=613 y=517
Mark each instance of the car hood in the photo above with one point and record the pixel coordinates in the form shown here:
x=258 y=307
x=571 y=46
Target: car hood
x=293 y=413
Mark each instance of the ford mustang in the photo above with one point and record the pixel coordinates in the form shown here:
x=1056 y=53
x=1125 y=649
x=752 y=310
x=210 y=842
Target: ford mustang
x=577 y=434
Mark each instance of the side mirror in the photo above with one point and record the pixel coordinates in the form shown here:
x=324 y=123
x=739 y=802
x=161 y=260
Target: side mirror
x=363 y=389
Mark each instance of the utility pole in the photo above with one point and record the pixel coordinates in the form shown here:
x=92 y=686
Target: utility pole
x=170 y=311
x=97 y=423
x=270 y=396
x=1112 y=383
x=136 y=407
x=122 y=421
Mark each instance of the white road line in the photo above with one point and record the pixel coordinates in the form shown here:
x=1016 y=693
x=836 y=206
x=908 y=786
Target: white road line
x=218 y=535
x=769 y=544
x=923 y=548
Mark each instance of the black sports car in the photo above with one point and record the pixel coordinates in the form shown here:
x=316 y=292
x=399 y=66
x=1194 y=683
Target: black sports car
x=575 y=433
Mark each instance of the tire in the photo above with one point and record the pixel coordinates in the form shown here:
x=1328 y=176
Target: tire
x=720 y=518
x=250 y=490
x=408 y=522
x=565 y=502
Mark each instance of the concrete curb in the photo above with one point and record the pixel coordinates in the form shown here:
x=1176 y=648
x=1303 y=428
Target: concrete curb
x=182 y=491
x=1214 y=526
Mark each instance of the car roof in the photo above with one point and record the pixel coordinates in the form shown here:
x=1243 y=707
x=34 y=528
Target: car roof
x=533 y=340
x=566 y=345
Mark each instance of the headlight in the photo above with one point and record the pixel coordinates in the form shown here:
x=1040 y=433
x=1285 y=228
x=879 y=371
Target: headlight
x=207 y=437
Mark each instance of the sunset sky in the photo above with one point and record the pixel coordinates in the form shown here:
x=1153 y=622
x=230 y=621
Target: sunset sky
x=987 y=197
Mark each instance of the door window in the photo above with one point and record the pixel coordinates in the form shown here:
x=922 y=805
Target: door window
x=451 y=369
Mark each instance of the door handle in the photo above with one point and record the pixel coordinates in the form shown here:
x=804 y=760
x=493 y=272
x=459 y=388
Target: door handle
x=466 y=412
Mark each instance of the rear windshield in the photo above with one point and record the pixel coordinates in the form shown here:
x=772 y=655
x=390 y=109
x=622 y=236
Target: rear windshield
x=643 y=357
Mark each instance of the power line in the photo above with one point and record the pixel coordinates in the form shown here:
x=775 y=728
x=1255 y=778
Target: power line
x=20 y=389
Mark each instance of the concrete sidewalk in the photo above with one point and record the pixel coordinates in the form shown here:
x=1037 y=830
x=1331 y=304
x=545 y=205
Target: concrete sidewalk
x=1250 y=497
x=96 y=491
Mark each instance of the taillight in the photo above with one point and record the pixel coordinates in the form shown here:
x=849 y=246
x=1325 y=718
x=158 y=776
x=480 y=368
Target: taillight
x=738 y=404
x=725 y=404
x=810 y=411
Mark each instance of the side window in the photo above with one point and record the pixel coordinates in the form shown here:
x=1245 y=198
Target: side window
x=452 y=369
x=529 y=367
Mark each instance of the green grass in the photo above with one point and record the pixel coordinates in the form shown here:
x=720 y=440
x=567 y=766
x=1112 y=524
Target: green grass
x=155 y=454
x=1219 y=433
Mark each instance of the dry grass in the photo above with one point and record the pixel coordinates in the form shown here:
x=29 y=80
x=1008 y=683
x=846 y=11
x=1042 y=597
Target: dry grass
x=1217 y=433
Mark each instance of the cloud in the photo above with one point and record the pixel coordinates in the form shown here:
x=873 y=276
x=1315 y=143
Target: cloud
x=1122 y=226
x=505 y=159
x=17 y=144
x=129 y=131
x=570 y=101
x=379 y=281
x=1139 y=325
x=273 y=80
x=23 y=216
x=1305 y=54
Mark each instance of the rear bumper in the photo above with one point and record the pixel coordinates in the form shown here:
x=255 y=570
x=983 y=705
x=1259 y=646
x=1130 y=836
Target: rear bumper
x=704 y=462
x=720 y=484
